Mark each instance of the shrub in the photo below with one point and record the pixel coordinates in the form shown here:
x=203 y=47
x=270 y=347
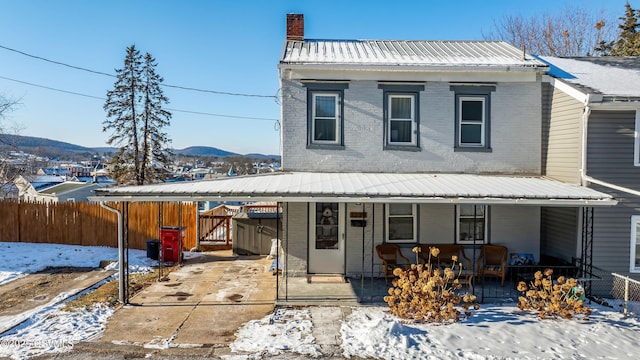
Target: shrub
x=564 y=298
x=425 y=292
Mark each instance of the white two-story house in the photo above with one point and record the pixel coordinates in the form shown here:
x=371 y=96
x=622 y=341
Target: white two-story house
x=403 y=142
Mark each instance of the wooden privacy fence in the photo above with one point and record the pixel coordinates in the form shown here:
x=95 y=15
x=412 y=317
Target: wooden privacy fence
x=81 y=223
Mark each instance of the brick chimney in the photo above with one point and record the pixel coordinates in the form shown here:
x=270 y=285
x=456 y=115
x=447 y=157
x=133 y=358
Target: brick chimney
x=295 y=26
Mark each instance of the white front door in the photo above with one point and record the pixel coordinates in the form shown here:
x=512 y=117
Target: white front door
x=326 y=238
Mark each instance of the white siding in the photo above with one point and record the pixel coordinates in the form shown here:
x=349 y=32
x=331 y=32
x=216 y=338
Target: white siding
x=515 y=133
x=517 y=228
x=437 y=223
x=295 y=243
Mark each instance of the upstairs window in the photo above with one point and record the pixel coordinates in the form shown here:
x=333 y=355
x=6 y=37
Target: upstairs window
x=471 y=121
x=472 y=117
x=402 y=126
x=324 y=118
x=325 y=122
x=401 y=116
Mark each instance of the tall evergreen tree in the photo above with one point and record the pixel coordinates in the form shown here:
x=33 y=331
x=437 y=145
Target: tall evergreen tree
x=155 y=141
x=628 y=41
x=135 y=118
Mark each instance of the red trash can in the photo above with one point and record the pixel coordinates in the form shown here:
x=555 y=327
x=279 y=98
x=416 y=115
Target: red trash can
x=172 y=238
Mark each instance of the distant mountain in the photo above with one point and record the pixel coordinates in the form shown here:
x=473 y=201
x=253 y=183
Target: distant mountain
x=262 y=156
x=31 y=142
x=203 y=151
x=58 y=149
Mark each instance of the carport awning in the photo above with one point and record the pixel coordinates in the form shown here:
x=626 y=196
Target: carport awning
x=367 y=187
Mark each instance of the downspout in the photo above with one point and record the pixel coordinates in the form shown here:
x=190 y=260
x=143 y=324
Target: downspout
x=121 y=279
x=583 y=155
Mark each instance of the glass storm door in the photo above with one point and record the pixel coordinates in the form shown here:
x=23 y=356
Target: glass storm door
x=326 y=238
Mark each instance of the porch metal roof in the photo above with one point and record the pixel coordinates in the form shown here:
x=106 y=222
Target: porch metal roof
x=367 y=187
x=407 y=52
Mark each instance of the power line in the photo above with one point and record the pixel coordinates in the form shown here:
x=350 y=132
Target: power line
x=176 y=110
x=53 y=89
x=114 y=76
x=57 y=62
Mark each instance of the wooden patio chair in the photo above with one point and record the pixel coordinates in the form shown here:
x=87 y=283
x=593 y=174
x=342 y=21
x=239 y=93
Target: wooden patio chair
x=390 y=254
x=493 y=261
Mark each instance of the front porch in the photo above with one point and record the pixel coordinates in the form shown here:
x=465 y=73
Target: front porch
x=355 y=291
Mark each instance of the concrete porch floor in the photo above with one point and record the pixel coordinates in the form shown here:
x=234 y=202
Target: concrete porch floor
x=298 y=291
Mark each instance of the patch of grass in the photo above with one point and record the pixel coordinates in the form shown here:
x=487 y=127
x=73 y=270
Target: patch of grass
x=108 y=292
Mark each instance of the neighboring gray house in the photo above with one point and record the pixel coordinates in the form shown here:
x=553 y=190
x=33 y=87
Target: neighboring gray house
x=592 y=117
x=71 y=191
x=405 y=142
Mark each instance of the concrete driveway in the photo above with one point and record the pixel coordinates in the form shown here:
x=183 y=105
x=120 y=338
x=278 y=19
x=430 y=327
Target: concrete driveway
x=200 y=306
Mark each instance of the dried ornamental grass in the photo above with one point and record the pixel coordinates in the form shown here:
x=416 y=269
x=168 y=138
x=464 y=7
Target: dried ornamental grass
x=564 y=298
x=428 y=293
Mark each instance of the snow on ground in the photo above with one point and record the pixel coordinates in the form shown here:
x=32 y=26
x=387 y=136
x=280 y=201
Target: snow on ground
x=49 y=328
x=19 y=259
x=283 y=331
x=493 y=332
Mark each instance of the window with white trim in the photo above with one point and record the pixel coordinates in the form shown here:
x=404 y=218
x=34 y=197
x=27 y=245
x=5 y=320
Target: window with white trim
x=471 y=222
x=473 y=117
x=401 y=109
x=634 y=264
x=325 y=108
x=471 y=121
x=636 y=143
x=401 y=223
x=402 y=126
x=325 y=115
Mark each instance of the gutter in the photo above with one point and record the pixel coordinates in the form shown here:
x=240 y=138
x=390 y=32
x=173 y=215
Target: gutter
x=487 y=199
x=121 y=264
x=587 y=178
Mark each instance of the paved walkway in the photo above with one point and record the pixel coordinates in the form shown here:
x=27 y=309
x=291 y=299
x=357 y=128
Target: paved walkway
x=197 y=312
x=202 y=304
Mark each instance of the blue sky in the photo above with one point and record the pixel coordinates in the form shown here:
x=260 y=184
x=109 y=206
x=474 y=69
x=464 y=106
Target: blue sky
x=226 y=46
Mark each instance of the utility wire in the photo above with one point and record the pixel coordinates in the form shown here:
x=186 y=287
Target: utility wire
x=114 y=76
x=176 y=110
x=53 y=89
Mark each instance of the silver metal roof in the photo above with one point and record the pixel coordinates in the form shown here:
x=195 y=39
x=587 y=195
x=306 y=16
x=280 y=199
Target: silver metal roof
x=407 y=52
x=367 y=187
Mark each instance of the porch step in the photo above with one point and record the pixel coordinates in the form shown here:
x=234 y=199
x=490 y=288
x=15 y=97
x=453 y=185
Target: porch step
x=215 y=247
x=326 y=279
